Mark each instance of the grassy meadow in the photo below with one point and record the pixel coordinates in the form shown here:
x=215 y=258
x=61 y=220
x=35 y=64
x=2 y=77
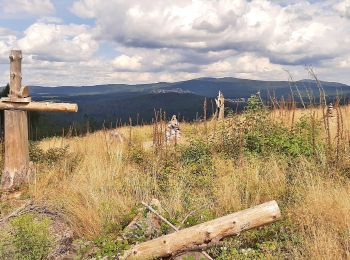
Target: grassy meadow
x=298 y=157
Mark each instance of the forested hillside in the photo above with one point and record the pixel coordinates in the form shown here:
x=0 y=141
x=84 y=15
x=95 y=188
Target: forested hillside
x=106 y=105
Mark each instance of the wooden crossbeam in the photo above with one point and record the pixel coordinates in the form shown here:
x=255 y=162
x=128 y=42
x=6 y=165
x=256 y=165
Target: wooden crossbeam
x=17 y=169
x=39 y=106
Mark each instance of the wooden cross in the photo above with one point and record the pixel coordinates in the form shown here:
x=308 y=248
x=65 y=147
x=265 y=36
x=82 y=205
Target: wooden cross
x=17 y=168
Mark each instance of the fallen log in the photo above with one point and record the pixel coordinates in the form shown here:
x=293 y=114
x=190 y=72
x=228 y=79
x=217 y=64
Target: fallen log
x=206 y=234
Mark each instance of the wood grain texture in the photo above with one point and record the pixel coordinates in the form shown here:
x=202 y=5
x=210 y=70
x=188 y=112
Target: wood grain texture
x=208 y=233
x=39 y=106
x=16 y=164
x=15 y=72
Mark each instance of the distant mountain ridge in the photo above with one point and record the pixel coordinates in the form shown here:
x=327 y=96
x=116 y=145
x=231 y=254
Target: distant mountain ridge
x=232 y=87
x=107 y=104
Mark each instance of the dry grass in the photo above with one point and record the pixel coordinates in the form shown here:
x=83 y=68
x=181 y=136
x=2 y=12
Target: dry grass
x=106 y=186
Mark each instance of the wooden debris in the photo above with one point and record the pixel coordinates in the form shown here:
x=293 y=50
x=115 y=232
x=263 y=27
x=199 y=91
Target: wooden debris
x=16 y=212
x=159 y=216
x=206 y=234
x=175 y=229
x=145 y=224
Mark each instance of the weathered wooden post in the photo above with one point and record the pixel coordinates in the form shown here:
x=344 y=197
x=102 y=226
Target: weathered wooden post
x=16 y=164
x=220 y=104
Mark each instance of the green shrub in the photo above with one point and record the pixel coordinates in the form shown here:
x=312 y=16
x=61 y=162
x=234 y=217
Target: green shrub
x=197 y=169
x=274 y=138
x=31 y=237
x=138 y=155
x=197 y=152
x=55 y=157
x=100 y=248
x=275 y=241
x=36 y=154
x=110 y=247
x=258 y=134
x=50 y=156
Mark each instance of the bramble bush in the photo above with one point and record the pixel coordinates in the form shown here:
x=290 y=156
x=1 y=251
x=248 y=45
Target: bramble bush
x=197 y=164
x=255 y=133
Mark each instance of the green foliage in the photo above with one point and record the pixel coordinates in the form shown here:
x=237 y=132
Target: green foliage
x=50 y=156
x=274 y=138
x=110 y=226
x=110 y=247
x=103 y=247
x=264 y=136
x=197 y=152
x=31 y=238
x=110 y=244
x=83 y=247
x=276 y=241
x=137 y=155
x=167 y=169
x=197 y=171
x=57 y=156
x=258 y=134
x=199 y=217
x=191 y=258
x=254 y=104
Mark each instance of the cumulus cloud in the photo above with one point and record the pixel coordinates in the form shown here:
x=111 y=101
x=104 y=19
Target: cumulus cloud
x=293 y=33
x=166 y=40
x=124 y=62
x=27 y=6
x=252 y=64
x=58 y=42
x=7 y=39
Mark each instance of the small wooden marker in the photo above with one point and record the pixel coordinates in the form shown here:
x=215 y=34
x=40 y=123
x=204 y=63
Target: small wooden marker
x=17 y=170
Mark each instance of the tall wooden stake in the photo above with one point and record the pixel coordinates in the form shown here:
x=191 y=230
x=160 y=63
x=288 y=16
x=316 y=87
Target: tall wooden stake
x=16 y=133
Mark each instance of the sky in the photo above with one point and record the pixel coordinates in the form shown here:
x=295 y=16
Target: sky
x=88 y=42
